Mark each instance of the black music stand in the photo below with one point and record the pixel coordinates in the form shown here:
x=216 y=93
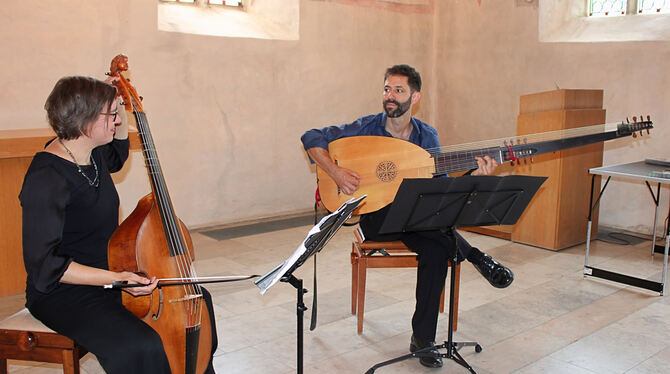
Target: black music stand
x=316 y=239
x=445 y=204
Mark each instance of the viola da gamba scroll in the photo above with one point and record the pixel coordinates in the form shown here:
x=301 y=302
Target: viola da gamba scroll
x=383 y=162
x=153 y=241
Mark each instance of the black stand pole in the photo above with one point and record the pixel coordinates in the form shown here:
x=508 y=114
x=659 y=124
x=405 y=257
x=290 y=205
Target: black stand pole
x=300 y=312
x=451 y=346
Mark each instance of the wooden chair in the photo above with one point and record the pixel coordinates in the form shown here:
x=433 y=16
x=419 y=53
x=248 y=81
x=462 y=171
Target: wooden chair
x=23 y=337
x=368 y=254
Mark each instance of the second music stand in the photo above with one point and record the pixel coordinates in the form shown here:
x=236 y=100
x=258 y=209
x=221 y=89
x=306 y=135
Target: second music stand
x=316 y=239
x=445 y=204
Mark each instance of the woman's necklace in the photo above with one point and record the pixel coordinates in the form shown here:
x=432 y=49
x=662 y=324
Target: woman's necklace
x=95 y=182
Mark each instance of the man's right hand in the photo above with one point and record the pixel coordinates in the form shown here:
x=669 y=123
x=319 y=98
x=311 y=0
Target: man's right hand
x=346 y=179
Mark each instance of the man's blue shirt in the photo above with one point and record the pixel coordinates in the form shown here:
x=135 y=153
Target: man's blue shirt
x=423 y=135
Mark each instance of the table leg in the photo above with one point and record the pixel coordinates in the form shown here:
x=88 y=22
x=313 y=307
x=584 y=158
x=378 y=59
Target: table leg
x=592 y=207
x=665 y=263
x=657 y=200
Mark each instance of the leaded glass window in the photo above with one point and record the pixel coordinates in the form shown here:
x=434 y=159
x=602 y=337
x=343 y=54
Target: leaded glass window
x=653 y=6
x=237 y=3
x=225 y=2
x=607 y=8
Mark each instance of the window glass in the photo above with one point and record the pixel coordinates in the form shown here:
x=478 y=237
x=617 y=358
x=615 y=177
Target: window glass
x=653 y=6
x=607 y=8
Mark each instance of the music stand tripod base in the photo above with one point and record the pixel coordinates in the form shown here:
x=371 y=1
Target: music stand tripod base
x=451 y=346
x=443 y=204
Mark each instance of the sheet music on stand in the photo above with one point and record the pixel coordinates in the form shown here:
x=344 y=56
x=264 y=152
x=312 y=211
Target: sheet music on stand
x=316 y=239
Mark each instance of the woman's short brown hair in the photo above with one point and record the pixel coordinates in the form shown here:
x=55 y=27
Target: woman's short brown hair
x=75 y=102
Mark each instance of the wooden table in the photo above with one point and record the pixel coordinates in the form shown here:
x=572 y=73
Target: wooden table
x=637 y=171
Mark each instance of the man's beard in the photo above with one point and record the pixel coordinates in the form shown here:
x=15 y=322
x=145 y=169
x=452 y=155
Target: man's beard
x=400 y=108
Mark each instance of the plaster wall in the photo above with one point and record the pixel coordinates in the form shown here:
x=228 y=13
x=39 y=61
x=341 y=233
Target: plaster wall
x=226 y=113
x=491 y=55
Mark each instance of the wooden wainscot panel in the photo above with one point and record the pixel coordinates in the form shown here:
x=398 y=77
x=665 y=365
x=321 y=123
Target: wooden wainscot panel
x=17 y=148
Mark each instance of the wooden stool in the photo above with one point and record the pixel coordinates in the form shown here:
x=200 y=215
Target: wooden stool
x=23 y=337
x=368 y=254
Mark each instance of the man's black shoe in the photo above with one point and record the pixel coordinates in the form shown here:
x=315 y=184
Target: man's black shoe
x=431 y=362
x=497 y=274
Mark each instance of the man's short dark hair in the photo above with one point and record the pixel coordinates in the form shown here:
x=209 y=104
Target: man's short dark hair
x=413 y=76
x=75 y=102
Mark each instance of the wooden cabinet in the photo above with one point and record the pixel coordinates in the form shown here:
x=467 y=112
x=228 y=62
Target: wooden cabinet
x=17 y=148
x=556 y=217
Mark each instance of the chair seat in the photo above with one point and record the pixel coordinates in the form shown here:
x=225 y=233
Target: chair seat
x=23 y=320
x=393 y=254
x=23 y=337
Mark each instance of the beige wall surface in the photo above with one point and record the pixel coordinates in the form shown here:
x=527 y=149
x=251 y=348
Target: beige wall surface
x=226 y=113
x=491 y=55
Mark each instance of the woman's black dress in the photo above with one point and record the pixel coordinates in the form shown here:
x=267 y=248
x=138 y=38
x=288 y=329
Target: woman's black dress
x=66 y=219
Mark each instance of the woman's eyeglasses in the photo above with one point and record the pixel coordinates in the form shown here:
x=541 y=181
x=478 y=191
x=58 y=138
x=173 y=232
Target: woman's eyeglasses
x=113 y=114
